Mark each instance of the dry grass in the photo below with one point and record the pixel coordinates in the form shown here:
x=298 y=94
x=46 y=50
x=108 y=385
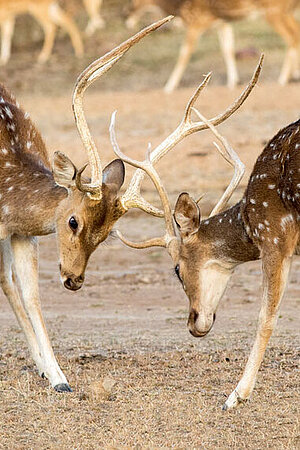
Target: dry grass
x=159 y=400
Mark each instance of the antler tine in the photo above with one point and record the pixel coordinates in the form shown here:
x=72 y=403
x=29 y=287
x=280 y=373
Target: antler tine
x=155 y=242
x=187 y=127
x=85 y=79
x=194 y=98
x=147 y=167
x=232 y=158
x=133 y=198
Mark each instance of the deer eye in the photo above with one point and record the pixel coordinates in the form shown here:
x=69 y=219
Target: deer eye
x=177 y=271
x=73 y=223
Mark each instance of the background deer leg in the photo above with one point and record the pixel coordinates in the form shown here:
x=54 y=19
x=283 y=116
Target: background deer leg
x=61 y=19
x=226 y=39
x=186 y=51
x=26 y=267
x=7 y=30
x=49 y=29
x=8 y=284
x=95 y=22
x=289 y=30
x=275 y=272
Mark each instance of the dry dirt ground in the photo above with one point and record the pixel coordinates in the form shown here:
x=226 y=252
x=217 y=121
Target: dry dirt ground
x=127 y=325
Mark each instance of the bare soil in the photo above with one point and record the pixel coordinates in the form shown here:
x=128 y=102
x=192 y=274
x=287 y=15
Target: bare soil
x=127 y=325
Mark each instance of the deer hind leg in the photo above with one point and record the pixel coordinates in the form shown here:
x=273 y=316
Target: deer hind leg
x=26 y=267
x=186 y=51
x=275 y=274
x=60 y=18
x=289 y=30
x=226 y=38
x=7 y=31
x=96 y=22
x=9 y=287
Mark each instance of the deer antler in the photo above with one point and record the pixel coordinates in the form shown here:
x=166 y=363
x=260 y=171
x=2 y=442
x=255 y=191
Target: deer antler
x=85 y=79
x=169 y=240
x=230 y=156
x=187 y=127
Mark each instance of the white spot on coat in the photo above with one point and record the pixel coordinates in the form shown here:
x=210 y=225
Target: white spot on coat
x=286 y=220
x=8 y=112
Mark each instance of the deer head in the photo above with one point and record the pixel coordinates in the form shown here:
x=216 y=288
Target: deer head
x=202 y=265
x=86 y=216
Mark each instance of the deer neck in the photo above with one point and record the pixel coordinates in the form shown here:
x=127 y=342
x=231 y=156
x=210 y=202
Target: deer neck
x=28 y=194
x=227 y=238
x=29 y=198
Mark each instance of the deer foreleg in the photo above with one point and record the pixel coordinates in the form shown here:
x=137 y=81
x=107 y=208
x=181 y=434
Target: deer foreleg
x=226 y=39
x=49 y=29
x=8 y=284
x=275 y=271
x=26 y=267
x=7 y=30
x=289 y=30
x=186 y=51
x=62 y=19
x=96 y=21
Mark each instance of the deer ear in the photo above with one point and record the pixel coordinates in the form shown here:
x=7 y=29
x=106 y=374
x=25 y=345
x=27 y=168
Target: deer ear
x=187 y=214
x=114 y=174
x=63 y=169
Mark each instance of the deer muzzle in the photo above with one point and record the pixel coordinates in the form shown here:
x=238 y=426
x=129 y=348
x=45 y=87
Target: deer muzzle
x=200 y=325
x=71 y=281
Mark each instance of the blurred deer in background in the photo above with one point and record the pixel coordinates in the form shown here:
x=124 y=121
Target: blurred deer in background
x=200 y=15
x=263 y=225
x=35 y=201
x=48 y=13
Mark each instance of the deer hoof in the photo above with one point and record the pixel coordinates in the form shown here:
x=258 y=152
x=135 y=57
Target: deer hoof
x=63 y=387
x=233 y=400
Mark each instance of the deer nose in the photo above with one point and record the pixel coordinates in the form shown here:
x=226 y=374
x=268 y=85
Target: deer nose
x=74 y=283
x=196 y=327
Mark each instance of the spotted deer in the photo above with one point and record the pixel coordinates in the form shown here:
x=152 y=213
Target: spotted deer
x=36 y=201
x=49 y=14
x=264 y=225
x=200 y=15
